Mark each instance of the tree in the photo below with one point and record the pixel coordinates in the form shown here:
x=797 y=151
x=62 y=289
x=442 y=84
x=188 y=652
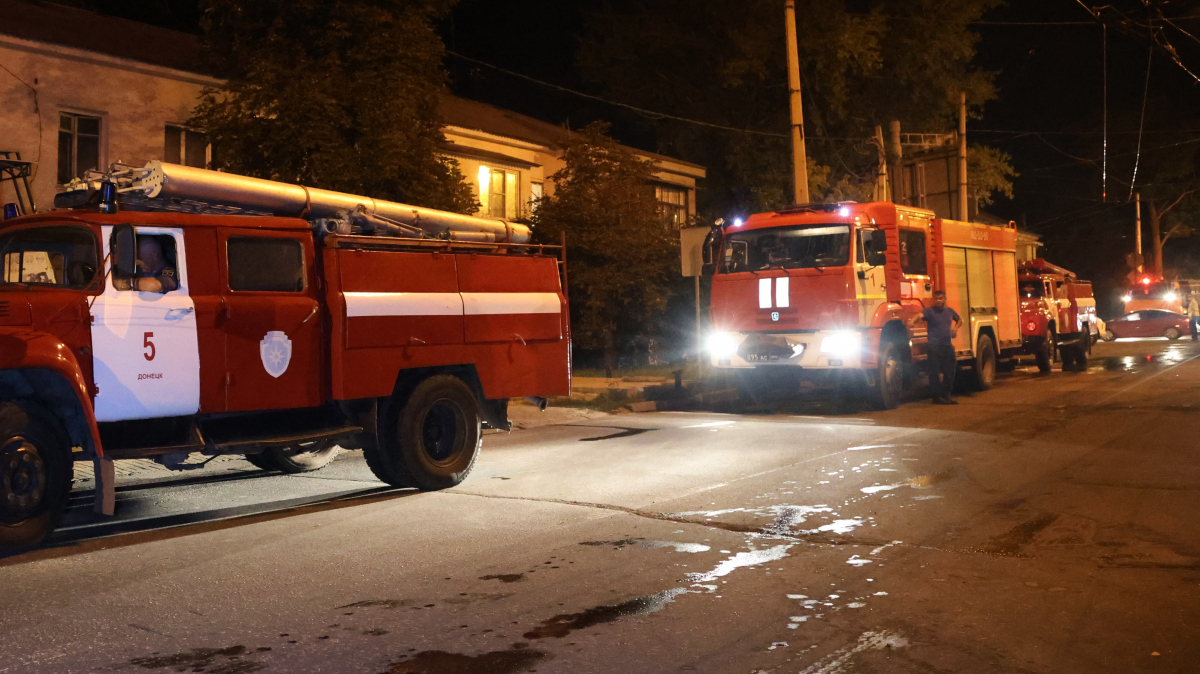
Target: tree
x=336 y=94
x=723 y=61
x=623 y=254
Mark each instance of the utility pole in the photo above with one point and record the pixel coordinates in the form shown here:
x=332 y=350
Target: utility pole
x=881 y=177
x=897 y=154
x=799 y=155
x=963 y=214
x=1138 y=226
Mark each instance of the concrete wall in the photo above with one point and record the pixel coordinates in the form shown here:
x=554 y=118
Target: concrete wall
x=134 y=101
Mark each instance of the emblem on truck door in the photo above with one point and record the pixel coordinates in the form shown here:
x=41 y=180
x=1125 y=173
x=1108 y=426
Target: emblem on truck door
x=276 y=351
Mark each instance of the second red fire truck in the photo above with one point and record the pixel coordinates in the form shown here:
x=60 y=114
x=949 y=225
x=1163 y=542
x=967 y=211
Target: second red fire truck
x=837 y=289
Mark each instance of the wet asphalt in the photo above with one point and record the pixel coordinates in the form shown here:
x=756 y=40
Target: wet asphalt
x=1051 y=524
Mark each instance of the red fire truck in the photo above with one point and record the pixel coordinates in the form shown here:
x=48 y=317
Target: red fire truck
x=1058 y=315
x=177 y=310
x=829 y=289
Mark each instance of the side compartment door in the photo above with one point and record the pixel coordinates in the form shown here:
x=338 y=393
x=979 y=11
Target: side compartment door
x=271 y=320
x=144 y=348
x=956 y=293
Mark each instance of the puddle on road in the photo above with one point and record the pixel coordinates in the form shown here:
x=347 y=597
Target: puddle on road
x=504 y=577
x=679 y=547
x=1015 y=539
x=741 y=559
x=440 y=662
x=616 y=545
x=381 y=603
x=203 y=660
x=561 y=625
x=1143 y=361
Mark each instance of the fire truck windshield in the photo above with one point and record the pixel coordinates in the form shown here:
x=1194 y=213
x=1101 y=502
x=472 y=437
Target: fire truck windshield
x=1032 y=289
x=800 y=247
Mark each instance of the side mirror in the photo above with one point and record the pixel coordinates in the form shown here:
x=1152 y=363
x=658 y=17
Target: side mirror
x=708 y=269
x=122 y=248
x=878 y=241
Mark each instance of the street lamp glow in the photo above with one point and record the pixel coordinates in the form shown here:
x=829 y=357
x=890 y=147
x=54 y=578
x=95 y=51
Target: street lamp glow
x=1127 y=298
x=737 y=222
x=1170 y=297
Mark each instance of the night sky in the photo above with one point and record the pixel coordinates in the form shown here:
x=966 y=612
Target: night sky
x=1047 y=117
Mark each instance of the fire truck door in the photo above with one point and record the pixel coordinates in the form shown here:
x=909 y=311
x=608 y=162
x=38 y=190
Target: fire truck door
x=271 y=320
x=144 y=350
x=869 y=267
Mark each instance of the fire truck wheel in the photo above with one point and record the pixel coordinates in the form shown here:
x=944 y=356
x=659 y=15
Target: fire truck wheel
x=985 y=364
x=436 y=437
x=889 y=381
x=1045 y=355
x=35 y=475
x=1172 y=333
x=302 y=458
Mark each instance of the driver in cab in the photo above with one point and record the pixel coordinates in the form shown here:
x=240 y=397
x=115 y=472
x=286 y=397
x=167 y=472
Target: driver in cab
x=153 y=274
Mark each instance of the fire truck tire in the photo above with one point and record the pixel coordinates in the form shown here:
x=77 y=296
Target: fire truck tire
x=436 y=437
x=985 y=364
x=1045 y=355
x=889 y=381
x=301 y=458
x=35 y=474
x=1172 y=333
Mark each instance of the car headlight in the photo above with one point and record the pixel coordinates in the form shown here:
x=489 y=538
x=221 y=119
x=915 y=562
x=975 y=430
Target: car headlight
x=722 y=344
x=843 y=344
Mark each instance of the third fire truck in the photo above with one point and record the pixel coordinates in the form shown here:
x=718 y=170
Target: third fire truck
x=837 y=289
x=1058 y=315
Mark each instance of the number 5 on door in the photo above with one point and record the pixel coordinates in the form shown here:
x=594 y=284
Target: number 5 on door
x=149 y=345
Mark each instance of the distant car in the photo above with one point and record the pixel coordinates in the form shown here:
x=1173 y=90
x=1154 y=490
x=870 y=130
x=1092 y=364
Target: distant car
x=1148 y=323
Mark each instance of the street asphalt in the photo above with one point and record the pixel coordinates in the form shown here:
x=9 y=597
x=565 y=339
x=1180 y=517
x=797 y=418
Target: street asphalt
x=1050 y=524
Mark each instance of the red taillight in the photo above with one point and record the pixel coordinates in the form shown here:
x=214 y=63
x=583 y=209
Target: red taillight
x=1031 y=326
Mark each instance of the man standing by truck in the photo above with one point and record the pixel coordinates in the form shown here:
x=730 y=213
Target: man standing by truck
x=941 y=324
x=1193 y=312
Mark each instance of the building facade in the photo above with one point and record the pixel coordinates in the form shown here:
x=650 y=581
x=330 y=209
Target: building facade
x=79 y=90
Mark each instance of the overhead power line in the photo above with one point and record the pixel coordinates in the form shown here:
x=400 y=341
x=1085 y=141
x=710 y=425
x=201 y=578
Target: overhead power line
x=641 y=111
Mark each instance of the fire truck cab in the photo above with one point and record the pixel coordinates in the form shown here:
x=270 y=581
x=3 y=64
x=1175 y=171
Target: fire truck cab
x=153 y=333
x=837 y=290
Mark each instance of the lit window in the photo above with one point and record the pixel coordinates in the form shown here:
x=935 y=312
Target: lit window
x=498 y=190
x=672 y=203
x=185 y=146
x=78 y=146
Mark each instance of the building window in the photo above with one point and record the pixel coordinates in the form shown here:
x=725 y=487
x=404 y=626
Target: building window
x=78 y=146
x=672 y=203
x=498 y=190
x=536 y=192
x=185 y=146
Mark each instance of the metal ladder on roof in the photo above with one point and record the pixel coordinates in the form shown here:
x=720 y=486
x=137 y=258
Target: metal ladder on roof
x=13 y=168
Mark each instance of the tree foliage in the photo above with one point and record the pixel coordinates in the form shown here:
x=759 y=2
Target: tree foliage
x=337 y=94
x=623 y=256
x=723 y=61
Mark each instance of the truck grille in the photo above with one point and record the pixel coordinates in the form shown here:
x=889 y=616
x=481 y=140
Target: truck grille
x=4 y=309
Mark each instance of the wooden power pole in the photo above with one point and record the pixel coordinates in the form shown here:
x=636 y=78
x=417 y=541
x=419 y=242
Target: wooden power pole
x=799 y=155
x=963 y=213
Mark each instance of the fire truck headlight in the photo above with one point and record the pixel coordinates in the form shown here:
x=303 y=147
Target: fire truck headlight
x=722 y=344
x=845 y=343
x=1170 y=297
x=1127 y=298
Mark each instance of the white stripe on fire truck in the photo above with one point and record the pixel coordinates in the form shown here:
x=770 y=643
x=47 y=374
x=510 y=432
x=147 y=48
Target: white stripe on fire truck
x=476 y=304
x=403 y=304
x=362 y=304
